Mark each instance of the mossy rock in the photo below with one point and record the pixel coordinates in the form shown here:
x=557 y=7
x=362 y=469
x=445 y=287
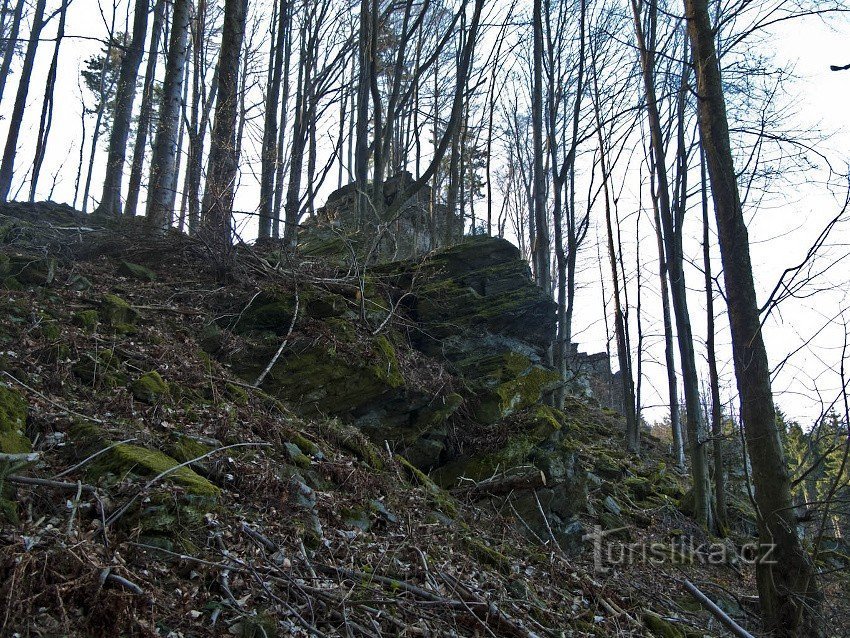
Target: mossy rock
x=31 y=270
x=150 y=388
x=118 y=314
x=296 y=456
x=86 y=319
x=318 y=379
x=135 y=271
x=660 y=627
x=326 y=305
x=13 y=416
x=351 y=439
x=134 y=459
x=519 y=385
x=186 y=448
x=268 y=312
x=641 y=488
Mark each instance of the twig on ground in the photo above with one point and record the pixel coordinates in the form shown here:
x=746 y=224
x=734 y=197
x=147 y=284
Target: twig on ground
x=51 y=401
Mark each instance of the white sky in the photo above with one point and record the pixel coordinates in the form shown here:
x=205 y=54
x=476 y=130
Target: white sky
x=780 y=235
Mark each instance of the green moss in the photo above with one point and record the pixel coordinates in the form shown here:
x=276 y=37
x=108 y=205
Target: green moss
x=431 y=418
x=387 y=369
x=12 y=283
x=664 y=629
x=149 y=388
x=269 y=311
x=185 y=448
x=118 y=314
x=305 y=444
x=235 y=394
x=353 y=440
x=545 y=420
x=517 y=451
x=135 y=271
x=487 y=555
x=13 y=415
x=296 y=456
x=125 y=458
x=639 y=486
x=86 y=319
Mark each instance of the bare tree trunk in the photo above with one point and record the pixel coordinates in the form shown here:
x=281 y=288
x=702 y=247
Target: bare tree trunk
x=223 y=164
x=711 y=354
x=361 y=149
x=161 y=195
x=110 y=203
x=284 y=110
x=669 y=347
x=541 y=222
x=673 y=248
x=145 y=113
x=788 y=589
x=292 y=208
x=7 y=168
x=46 y=121
x=11 y=44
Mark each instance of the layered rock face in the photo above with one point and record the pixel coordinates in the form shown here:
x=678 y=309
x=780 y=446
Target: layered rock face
x=454 y=379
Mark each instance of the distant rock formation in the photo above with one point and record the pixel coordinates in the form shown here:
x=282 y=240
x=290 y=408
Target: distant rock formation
x=420 y=225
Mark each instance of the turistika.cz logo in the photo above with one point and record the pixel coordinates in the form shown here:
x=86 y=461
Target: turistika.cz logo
x=609 y=553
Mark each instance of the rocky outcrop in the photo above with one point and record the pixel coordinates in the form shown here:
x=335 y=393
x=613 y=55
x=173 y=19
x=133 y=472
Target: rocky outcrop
x=453 y=380
x=419 y=226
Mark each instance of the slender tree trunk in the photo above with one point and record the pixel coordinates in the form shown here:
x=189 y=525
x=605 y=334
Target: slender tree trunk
x=675 y=263
x=223 y=162
x=145 y=113
x=292 y=208
x=161 y=195
x=788 y=589
x=11 y=45
x=7 y=168
x=46 y=121
x=361 y=150
x=284 y=111
x=669 y=347
x=110 y=203
x=541 y=222
x=711 y=354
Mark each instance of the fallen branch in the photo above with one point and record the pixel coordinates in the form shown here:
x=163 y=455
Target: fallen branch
x=521 y=478
x=52 y=402
x=59 y=485
x=125 y=584
x=718 y=613
x=282 y=345
x=26 y=457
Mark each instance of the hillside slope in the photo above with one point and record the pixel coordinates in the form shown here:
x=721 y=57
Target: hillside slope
x=152 y=487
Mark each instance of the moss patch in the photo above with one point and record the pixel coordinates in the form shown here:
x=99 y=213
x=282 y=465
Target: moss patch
x=86 y=319
x=13 y=415
x=118 y=314
x=135 y=271
x=134 y=459
x=150 y=388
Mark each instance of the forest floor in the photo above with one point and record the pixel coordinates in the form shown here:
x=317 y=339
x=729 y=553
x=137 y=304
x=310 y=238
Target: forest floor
x=234 y=541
